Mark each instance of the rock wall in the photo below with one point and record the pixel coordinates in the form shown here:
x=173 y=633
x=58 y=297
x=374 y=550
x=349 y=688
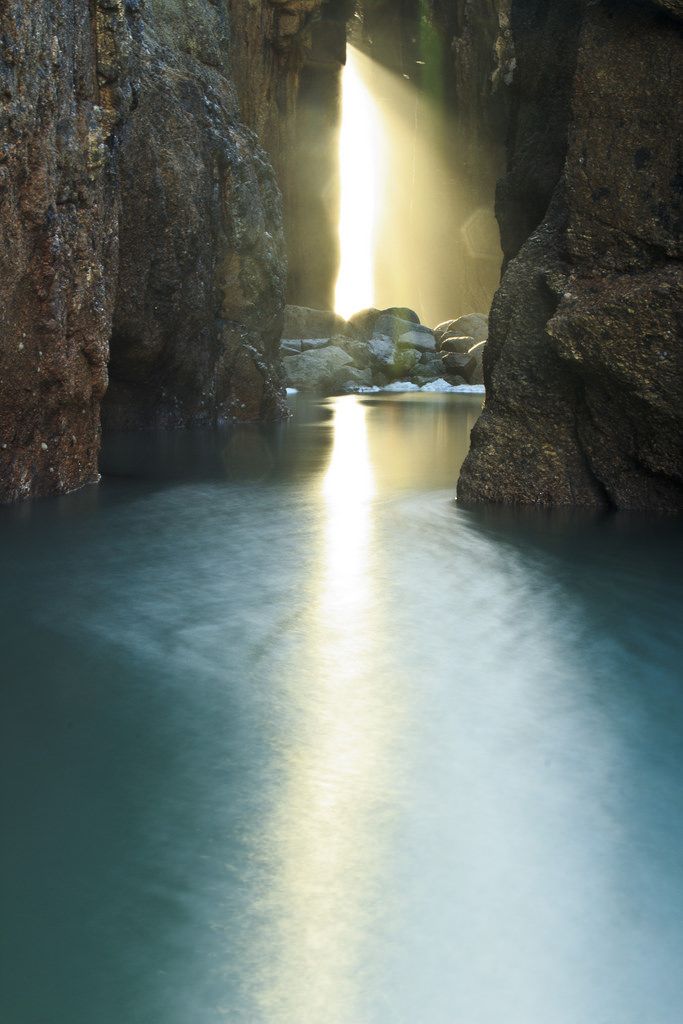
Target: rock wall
x=142 y=244
x=202 y=265
x=583 y=367
x=64 y=91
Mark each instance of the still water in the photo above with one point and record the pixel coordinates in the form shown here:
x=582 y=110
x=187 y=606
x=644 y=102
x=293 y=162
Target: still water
x=288 y=738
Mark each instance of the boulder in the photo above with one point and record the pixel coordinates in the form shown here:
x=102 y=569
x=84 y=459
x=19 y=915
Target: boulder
x=316 y=370
x=473 y=325
x=443 y=329
x=402 y=313
x=389 y=359
x=394 y=327
x=418 y=337
x=357 y=349
x=463 y=364
x=352 y=379
x=302 y=322
x=290 y=347
x=382 y=352
x=456 y=343
x=405 y=362
x=361 y=325
x=477 y=374
x=309 y=343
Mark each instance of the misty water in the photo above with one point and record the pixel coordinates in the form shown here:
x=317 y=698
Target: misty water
x=289 y=738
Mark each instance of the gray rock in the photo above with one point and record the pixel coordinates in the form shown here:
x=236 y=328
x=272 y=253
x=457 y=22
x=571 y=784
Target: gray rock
x=310 y=343
x=290 y=347
x=390 y=360
x=443 y=329
x=456 y=343
x=461 y=363
x=362 y=324
x=393 y=327
x=477 y=374
x=418 y=337
x=402 y=313
x=473 y=325
x=352 y=379
x=357 y=349
x=405 y=362
x=302 y=322
x=316 y=370
x=382 y=352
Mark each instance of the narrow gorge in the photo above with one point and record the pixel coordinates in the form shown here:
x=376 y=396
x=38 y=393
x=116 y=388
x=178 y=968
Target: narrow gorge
x=168 y=180
x=341 y=401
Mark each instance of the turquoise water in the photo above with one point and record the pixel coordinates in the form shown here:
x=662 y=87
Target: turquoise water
x=288 y=738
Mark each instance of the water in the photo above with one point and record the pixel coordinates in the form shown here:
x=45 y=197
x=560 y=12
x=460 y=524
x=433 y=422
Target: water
x=288 y=738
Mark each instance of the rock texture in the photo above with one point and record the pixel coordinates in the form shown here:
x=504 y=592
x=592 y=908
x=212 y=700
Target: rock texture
x=380 y=348
x=141 y=228
x=202 y=263
x=64 y=91
x=583 y=368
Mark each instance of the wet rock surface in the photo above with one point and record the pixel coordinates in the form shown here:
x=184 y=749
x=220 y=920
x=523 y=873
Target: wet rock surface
x=382 y=351
x=141 y=227
x=584 y=369
x=64 y=93
x=202 y=262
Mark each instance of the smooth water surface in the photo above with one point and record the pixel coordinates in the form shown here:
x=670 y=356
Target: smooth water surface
x=288 y=738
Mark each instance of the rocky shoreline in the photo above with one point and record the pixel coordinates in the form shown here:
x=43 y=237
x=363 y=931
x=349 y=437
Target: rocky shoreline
x=381 y=350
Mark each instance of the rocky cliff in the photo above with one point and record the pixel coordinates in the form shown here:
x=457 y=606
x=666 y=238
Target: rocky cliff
x=202 y=264
x=583 y=367
x=142 y=241
x=64 y=95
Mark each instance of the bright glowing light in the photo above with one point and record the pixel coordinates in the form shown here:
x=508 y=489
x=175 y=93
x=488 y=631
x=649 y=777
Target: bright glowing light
x=411 y=231
x=360 y=149
x=337 y=769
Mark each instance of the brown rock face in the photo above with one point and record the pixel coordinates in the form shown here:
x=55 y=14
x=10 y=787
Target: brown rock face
x=583 y=369
x=141 y=232
x=63 y=92
x=202 y=264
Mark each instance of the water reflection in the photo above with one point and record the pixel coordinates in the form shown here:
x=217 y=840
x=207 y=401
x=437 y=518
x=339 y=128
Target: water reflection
x=313 y=745
x=335 y=782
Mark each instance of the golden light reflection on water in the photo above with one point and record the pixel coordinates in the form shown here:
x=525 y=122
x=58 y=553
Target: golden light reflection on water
x=330 y=812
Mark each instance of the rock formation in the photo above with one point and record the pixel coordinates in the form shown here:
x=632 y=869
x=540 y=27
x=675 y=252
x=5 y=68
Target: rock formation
x=202 y=264
x=65 y=91
x=141 y=223
x=583 y=368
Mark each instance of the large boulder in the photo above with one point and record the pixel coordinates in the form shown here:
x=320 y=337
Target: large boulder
x=302 y=322
x=390 y=359
x=351 y=379
x=362 y=324
x=317 y=370
x=382 y=352
x=357 y=349
x=464 y=364
x=402 y=313
x=395 y=327
x=456 y=343
x=418 y=337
